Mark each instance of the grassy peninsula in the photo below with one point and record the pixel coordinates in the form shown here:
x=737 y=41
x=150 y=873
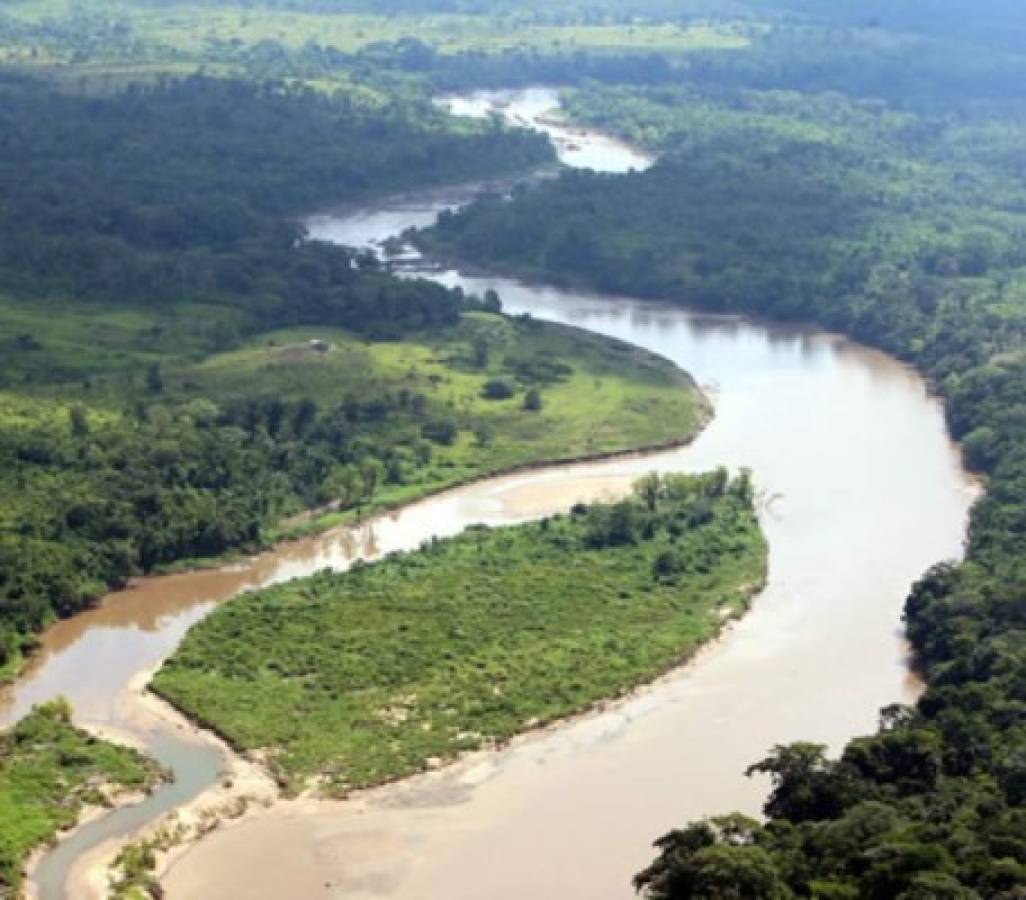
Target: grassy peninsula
x=50 y=771
x=363 y=677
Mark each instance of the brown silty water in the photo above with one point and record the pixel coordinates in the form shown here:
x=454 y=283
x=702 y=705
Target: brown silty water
x=861 y=491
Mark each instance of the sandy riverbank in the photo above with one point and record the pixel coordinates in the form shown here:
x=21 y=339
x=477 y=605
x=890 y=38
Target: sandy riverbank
x=245 y=790
x=243 y=785
x=322 y=845
x=366 y=845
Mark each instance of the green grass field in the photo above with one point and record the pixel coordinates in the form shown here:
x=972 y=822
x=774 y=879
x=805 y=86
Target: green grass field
x=611 y=397
x=614 y=399
x=50 y=770
x=364 y=677
x=607 y=397
x=76 y=341
x=191 y=28
x=112 y=43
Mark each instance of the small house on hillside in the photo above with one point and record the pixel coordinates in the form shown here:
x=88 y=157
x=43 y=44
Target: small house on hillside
x=319 y=345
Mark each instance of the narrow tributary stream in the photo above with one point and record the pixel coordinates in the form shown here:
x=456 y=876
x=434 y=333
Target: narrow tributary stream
x=861 y=491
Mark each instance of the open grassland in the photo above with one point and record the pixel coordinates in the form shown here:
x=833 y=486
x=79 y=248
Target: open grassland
x=96 y=48
x=49 y=771
x=57 y=341
x=193 y=28
x=600 y=397
x=367 y=676
x=597 y=395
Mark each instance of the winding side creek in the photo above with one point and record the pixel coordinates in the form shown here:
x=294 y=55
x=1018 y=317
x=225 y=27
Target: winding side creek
x=862 y=491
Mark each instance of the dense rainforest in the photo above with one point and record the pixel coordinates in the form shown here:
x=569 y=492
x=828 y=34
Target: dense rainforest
x=904 y=228
x=186 y=188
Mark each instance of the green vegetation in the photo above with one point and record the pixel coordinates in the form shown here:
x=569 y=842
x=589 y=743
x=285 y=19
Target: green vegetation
x=872 y=220
x=362 y=49
x=902 y=226
x=929 y=50
x=197 y=29
x=50 y=770
x=119 y=477
x=159 y=399
x=857 y=163
x=185 y=193
x=363 y=677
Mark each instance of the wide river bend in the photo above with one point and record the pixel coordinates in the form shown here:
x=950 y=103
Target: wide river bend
x=861 y=490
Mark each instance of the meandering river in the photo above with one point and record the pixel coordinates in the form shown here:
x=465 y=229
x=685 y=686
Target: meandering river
x=861 y=491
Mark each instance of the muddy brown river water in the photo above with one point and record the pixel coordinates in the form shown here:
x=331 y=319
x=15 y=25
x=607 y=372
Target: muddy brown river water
x=861 y=491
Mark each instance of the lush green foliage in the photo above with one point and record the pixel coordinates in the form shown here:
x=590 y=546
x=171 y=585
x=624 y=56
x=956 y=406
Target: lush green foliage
x=180 y=191
x=152 y=407
x=49 y=770
x=371 y=51
x=899 y=219
x=880 y=223
x=137 y=208
x=366 y=676
x=230 y=445
x=929 y=50
x=906 y=230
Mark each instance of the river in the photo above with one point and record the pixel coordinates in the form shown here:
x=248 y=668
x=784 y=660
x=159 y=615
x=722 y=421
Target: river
x=861 y=491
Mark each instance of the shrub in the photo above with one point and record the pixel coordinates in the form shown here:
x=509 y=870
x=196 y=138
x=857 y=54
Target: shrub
x=442 y=431
x=498 y=389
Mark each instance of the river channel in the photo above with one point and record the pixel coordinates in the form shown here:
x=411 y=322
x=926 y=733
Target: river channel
x=861 y=490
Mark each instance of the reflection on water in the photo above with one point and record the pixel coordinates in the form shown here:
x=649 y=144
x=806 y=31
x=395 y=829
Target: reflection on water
x=537 y=108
